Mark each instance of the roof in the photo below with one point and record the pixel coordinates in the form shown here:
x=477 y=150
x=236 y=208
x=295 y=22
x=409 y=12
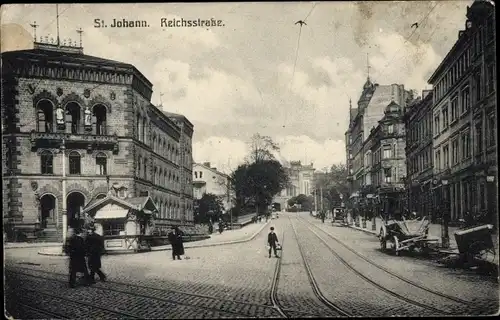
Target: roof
x=178 y=116
x=136 y=203
x=60 y=57
x=211 y=169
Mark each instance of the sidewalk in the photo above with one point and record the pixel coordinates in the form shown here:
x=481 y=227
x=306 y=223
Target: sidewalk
x=434 y=232
x=244 y=234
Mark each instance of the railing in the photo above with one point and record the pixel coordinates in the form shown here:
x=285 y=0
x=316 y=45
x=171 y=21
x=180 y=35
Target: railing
x=99 y=134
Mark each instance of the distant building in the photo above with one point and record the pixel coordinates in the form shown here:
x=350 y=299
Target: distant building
x=419 y=153
x=385 y=164
x=207 y=179
x=464 y=120
x=371 y=108
x=301 y=182
x=99 y=111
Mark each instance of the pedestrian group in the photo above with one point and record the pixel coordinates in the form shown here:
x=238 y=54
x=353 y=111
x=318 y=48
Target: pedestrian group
x=84 y=255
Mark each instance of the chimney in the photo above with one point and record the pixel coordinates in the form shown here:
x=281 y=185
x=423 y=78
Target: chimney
x=207 y=164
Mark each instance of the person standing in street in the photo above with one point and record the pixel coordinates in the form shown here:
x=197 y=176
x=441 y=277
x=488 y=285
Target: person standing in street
x=95 y=248
x=221 y=227
x=272 y=241
x=75 y=249
x=175 y=239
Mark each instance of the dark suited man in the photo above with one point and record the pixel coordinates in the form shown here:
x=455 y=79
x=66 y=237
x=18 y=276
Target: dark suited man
x=75 y=249
x=95 y=248
x=175 y=239
x=272 y=241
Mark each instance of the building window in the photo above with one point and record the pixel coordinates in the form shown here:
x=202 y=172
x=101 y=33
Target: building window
x=479 y=138
x=387 y=175
x=390 y=128
x=196 y=174
x=445 y=117
x=387 y=152
x=145 y=165
x=465 y=144
x=437 y=126
x=100 y=119
x=47 y=162
x=477 y=85
x=446 y=156
x=490 y=70
x=454 y=108
x=112 y=228
x=437 y=156
x=491 y=129
x=101 y=164
x=465 y=99
x=73 y=117
x=45 y=116
x=201 y=174
x=454 y=152
x=75 y=163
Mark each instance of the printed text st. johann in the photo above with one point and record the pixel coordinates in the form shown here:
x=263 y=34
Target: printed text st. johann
x=163 y=23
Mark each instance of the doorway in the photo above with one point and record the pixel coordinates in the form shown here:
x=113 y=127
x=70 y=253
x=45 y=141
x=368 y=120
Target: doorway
x=74 y=204
x=47 y=210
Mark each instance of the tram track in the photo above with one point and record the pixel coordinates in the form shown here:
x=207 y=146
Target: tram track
x=312 y=281
x=386 y=270
x=223 y=306
x=459 y=304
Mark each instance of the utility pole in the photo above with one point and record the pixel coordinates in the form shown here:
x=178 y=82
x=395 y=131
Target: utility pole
x=64 y=204
x=315 y=202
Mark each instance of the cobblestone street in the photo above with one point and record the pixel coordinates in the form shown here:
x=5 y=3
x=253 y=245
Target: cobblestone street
x=238 y=281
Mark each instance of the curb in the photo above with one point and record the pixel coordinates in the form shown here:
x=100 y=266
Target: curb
x=33 y=245
x=167 y=247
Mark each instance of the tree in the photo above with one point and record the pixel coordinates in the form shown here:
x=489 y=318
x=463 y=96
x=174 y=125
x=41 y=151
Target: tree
x=292 y=201
x=334 y=185
x=209 y=206
x=256 y=184
x=262 y=148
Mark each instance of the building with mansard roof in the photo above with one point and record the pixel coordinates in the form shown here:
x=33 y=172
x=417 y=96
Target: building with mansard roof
x=93 y=117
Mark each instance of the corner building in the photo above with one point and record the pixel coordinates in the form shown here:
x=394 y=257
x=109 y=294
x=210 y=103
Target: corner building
x=97 y=113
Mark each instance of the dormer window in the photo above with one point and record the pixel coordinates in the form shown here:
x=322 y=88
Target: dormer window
x=390 y=128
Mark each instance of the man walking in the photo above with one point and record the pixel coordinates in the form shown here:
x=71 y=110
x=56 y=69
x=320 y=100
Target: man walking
x=75 y=249
x=175 y=239
x=272 y=241
x=95 y=248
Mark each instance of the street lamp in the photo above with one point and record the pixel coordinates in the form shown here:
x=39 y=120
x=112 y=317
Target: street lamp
x=445 y=238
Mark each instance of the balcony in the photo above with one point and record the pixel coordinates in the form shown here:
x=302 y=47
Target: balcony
x=76 y=137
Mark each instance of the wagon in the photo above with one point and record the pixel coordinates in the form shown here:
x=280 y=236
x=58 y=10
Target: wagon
x=476 y=243
x=405 y=235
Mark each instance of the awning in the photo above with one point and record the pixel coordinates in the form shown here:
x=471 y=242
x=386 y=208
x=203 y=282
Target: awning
x=111 y=214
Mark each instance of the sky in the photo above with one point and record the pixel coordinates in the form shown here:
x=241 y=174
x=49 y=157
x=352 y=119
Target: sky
x=254 y=74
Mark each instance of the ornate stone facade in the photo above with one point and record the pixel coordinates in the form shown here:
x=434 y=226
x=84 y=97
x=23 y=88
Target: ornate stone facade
x=46 y=98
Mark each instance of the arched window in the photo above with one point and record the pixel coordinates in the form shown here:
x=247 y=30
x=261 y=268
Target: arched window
x=101 y=162
x=73 y=118
x=75 y=163
x=144 y=130
x=45 y=119
x=47 y=162
x=154 y=146
x=168 y=151
x=169 y=177
x=99 y=119
x=155 y=173
x=145 y=169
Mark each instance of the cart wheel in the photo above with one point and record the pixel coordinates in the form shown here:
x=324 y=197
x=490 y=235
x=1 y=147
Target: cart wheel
x=396 y=245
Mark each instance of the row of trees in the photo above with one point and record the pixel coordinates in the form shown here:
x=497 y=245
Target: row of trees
x=334 y=186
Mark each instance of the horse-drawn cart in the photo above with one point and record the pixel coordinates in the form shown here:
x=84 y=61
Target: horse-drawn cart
x=405 y=235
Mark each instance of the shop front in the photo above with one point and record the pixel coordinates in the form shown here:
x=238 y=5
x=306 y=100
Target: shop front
x=125 y=224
